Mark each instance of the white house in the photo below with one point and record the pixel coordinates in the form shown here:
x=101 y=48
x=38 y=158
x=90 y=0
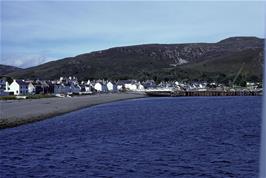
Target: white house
x=140 y=87
x=111 y=87
x=88 y=88
x=131 y=86
x=100 y=87
x=31 y=88
x=18 y=87
x=120 y=85
x=61 y=79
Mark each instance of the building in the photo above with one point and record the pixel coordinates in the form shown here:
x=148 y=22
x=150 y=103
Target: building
x=18 y=87
x=61 y=89
x=140 y=87
x=149 y=84
x=131 y=86
x=111 y=87
x=120 y=85
x=100 y=87
x=74 y=88
x=31 y=88
x=88 y=88
x=3 y=84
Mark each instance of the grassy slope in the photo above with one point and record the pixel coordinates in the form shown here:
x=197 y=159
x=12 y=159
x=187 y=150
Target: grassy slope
x=223 y=59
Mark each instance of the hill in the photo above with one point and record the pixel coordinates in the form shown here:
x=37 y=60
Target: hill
x=5 y=69
x=192 y=61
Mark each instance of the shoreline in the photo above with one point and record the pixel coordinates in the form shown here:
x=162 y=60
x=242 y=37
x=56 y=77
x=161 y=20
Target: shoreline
x=18 y=112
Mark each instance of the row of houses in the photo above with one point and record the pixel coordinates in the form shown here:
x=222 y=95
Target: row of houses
x=71 y=85
x=66 y=86
x=21 y=87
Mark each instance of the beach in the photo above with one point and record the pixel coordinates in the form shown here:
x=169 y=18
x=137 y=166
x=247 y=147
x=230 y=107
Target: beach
x=18 y=112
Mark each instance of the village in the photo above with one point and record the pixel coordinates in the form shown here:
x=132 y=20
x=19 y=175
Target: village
x=70 y=86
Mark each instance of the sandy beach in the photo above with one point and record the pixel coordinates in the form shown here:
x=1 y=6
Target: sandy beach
x=18 y=112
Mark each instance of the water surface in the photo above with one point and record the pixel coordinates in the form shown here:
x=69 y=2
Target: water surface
x=150 y=137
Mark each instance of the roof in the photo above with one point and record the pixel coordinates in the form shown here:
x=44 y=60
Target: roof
x=122 y=82
x=20 y=82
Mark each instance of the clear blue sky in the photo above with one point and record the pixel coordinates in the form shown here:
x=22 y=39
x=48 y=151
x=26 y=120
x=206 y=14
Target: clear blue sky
x=36 y=32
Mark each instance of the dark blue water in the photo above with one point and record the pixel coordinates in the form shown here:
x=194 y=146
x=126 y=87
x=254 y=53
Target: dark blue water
x=152 y=137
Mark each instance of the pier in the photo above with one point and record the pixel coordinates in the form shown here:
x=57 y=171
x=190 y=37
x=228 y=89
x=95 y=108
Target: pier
x=204 y=93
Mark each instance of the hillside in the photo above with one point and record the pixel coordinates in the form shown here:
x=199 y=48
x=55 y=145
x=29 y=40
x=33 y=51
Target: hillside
x=192 y=61
x=5 y=69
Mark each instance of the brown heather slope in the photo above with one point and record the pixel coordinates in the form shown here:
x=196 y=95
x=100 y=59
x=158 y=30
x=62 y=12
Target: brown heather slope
x=200 y=61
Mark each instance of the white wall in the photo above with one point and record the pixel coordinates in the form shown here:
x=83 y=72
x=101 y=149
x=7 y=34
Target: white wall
x=131 y=87
x=14 y=87
x=98 y=87
x=31 y=88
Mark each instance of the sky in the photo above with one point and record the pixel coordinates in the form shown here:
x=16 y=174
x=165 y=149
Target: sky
x=34 y=32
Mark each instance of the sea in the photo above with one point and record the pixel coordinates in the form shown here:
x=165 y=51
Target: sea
x=187 y=137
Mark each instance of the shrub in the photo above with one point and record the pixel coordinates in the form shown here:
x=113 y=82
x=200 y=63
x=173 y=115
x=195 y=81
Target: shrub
x=8 y=97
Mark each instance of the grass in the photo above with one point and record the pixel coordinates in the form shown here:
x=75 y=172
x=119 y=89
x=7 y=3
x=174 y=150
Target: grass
x=39 y=96
x=8 y=97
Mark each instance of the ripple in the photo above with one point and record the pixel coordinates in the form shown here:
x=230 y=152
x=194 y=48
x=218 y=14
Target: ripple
x=151 y=137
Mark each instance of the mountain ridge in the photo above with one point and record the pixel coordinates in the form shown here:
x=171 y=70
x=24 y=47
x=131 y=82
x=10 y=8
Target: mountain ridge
x=157 y=61
x=4 y=69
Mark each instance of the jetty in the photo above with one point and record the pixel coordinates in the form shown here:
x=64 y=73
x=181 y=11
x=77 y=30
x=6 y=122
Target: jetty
x=204 y=93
